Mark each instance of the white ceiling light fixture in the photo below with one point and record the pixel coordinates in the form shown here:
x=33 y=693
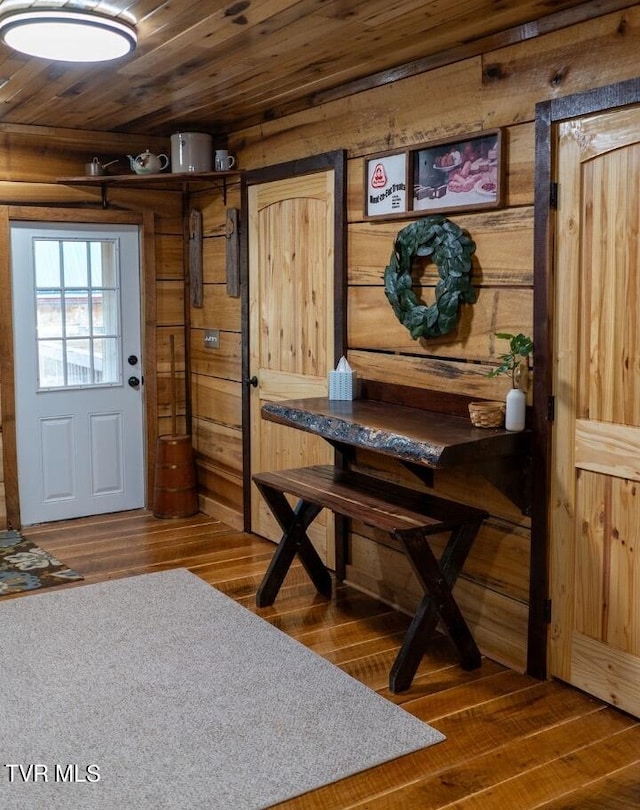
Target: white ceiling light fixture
x=66 y=35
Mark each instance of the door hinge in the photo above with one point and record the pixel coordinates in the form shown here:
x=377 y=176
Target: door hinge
x=547 y=611
x=553 y=194
x=551 y=408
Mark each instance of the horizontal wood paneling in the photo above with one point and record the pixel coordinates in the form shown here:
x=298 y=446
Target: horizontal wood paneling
x=22 y=150
x=224 y=362
x=164 y=205
x=211 y=202
x=18 y=193
x=415 y=110
x=164 y=335
x=218 y=310
x=459 y=377
x=170 y=303
x=371 y=246
x=169 y=248
x=220 y=495
x=166 y=395
x=217 y=400
x=214 y=251
x=220 y=444
x=372 y=323
x=466 y=485
x=499 y=622
x=592 y=54
x=167 y=426
x=518 y=146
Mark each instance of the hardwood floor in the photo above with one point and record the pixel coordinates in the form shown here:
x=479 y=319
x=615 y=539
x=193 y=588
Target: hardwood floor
x=513 y=742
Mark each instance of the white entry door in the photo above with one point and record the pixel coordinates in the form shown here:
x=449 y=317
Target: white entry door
x=79 y=409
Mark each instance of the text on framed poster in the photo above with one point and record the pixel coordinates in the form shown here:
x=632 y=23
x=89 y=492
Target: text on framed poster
x=458 y=174
x=386 y=186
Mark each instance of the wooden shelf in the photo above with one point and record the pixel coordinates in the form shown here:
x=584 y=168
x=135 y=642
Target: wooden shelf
x=166 y=181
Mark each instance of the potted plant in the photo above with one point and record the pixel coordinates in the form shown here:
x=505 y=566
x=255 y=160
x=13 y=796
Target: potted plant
x=513 y=362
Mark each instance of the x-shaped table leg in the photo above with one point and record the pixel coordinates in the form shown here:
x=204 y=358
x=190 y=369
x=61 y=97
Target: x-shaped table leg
x=437 y=579
x=294 y=524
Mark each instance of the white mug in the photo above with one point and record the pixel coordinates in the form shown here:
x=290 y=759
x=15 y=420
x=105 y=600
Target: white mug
x=224 y=161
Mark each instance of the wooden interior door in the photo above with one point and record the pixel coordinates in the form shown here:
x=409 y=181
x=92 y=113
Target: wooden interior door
x=595 y=498
x=291 y=321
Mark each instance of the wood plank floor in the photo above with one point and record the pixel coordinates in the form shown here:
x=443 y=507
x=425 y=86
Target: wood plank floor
x=513 y=742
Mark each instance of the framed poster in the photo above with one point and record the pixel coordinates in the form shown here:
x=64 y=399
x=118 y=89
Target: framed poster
x=458 y=174
x=386 y=185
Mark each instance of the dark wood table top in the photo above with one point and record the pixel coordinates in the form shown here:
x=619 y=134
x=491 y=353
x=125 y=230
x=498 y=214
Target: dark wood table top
x=414 y=435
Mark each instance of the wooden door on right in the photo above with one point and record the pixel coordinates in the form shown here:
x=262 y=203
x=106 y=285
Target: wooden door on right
x=595 y=498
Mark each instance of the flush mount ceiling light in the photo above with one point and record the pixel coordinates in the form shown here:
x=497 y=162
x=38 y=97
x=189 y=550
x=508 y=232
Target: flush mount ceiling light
x=67 y=35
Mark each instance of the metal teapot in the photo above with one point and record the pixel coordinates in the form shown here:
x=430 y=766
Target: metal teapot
x=95 y=168
x=148 y=163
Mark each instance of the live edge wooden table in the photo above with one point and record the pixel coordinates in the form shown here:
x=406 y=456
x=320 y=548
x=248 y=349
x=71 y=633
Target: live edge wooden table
x=422 y=441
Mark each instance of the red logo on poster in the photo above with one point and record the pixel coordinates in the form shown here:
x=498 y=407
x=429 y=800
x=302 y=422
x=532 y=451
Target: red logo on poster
x=379 y=178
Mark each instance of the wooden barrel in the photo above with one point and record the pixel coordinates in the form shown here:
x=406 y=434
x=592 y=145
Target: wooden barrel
x=175 y=492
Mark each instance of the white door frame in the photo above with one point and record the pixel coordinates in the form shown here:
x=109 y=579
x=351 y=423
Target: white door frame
x=148 y=337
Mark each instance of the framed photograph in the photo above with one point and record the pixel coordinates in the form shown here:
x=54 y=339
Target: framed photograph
x=386 y=185
x=459 y=174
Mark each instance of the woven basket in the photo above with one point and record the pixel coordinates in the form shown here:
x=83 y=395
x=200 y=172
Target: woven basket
x=487 y=414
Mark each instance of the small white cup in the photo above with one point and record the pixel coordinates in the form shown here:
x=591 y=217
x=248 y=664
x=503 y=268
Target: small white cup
x=223 y=160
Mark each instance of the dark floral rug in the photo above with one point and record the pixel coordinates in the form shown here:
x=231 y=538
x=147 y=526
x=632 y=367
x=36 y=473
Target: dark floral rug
x=27 y=567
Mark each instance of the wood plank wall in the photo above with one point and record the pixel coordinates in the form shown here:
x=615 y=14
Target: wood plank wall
x=495 y=89
x=216 y=373
x=31 y=160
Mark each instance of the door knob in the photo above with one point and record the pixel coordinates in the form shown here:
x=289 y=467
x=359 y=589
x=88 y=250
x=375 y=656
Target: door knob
x=253 y=381
x=134 y=382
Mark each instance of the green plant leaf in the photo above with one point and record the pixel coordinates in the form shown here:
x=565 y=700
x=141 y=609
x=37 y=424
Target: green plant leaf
x=520 y=347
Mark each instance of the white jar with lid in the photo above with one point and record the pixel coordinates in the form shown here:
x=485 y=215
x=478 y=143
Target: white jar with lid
x=191 y=152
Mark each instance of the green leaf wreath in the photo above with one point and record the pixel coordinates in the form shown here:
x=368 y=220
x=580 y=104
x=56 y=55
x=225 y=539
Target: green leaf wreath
x=450 y=248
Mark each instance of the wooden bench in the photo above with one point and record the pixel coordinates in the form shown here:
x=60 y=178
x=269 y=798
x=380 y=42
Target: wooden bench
x=405 y=514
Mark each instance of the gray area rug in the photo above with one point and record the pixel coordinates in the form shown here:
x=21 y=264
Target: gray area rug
x=158 y=691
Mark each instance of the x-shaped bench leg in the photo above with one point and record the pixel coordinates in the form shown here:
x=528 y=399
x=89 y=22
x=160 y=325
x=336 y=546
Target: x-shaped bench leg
x=294 y=523
x=437 y=579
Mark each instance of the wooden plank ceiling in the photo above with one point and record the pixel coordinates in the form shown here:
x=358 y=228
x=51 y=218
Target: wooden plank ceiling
x=217 y=66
